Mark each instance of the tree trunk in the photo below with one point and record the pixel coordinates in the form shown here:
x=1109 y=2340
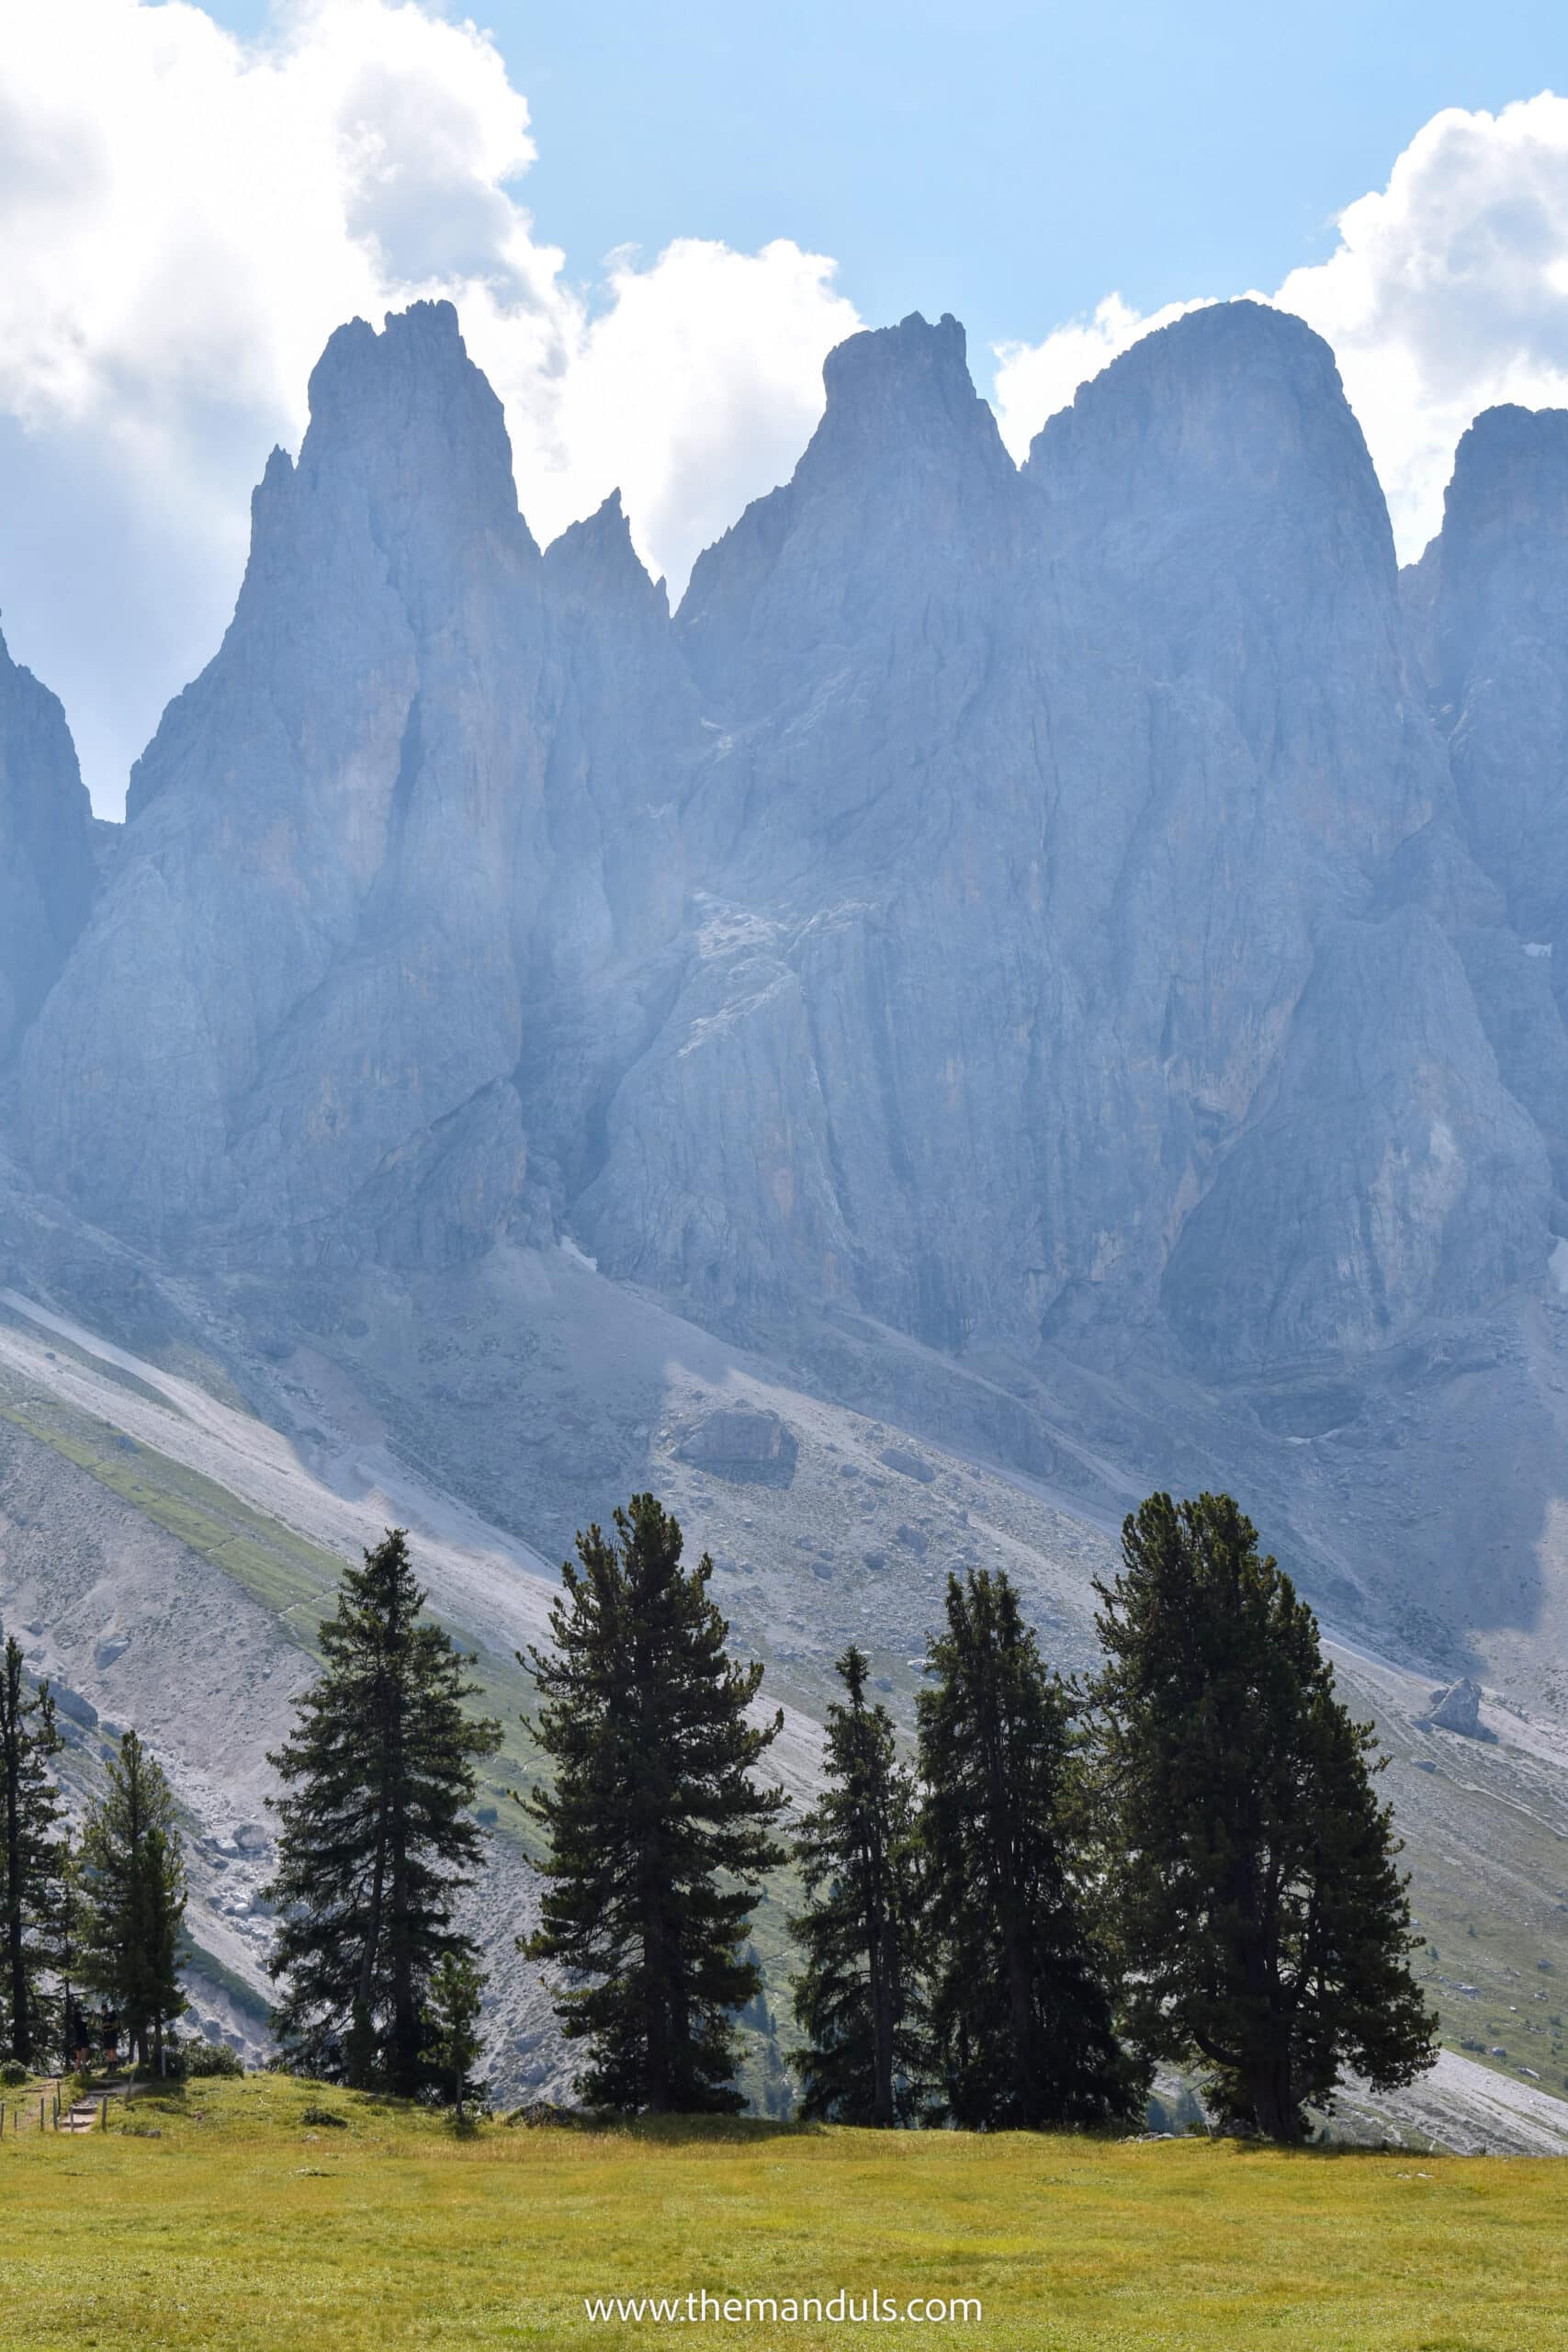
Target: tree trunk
x=880 y=1975
x=656 y=2001
x=881 y=2032
x=1276 y=2109
x=15 y=1953
x=1020 y=2022
x=358 y=2066
x=405 y=2016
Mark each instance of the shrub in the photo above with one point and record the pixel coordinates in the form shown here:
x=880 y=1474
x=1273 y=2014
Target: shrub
x=320 y=2115
x=13 y=2072
x=172 y=2069
x=209 y=2058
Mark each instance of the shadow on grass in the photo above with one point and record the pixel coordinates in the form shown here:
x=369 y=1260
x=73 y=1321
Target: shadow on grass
x=662 y=2130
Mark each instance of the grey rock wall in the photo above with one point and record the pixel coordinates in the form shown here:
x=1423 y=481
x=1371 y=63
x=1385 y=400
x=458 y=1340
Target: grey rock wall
x=47 y=870
x=1041 y=906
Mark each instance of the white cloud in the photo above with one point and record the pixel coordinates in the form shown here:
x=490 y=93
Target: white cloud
x=696 y=388
x=184 y=218
x=1447 y=293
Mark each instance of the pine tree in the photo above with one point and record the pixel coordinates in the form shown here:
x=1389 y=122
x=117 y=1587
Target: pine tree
x=134 y=1899
x=658 y=1833
x=858 y=1998
x=1022 y=2000
x=62 y=1940
x=375 y=1842
x=30 y=1855
x=456 y=1997
x=1262 y=1915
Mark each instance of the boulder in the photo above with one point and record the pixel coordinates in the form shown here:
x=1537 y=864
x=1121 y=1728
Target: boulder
x=748 y=1447
x=1457 y=1707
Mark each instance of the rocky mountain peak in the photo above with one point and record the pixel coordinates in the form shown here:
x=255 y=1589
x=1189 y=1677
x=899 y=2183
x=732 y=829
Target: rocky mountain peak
x=46 y=846
x=894 y=392
x=594 y=562
x=903 y=484
x=1499 y=558
x=407 y=411
x=1234 y=411
x=969 y=840
x=1510 y=476
x=1489 y=602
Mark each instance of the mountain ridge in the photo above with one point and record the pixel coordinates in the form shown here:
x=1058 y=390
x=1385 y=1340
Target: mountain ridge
x=1054 y=965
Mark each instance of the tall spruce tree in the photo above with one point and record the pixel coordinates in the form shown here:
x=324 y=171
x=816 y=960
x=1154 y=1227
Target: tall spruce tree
x=374 y=1840
x=31 y=1855
x=1022 y=2001
x=1261 y=1912
x=658 y=1832
x=134 y=1899
x=858 y=2000
x=62 y=1946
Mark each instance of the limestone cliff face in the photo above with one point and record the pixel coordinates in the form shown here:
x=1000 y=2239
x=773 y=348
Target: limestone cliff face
x=306 y=957
x=305 y=993
x=816 y=1102
x=47 y=876
x=1036 y=814
x=1493 y=606
x=1489 y=605
x=1026 y=906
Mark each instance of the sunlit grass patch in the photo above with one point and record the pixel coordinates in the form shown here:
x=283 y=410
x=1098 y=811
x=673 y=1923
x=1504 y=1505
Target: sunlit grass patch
x=252 y=2222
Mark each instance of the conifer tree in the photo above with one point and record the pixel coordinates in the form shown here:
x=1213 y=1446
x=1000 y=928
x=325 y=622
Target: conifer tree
x=858 y=2000
x=1022 y=2001
x=1261 y=1912
x=63 y=1948
x=31 y=1851
x=134 y=1899
x=455 y=1999
x=658 y=1832
x=374 y=1840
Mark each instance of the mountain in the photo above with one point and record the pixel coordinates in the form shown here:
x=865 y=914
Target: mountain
x=965 y=909
x=397 y=796
x=47 y=870
x=1031 y=984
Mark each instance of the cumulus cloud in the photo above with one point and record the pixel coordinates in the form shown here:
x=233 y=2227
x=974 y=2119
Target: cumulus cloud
x=184 y=217
x=1447 y=293
x=696 y=387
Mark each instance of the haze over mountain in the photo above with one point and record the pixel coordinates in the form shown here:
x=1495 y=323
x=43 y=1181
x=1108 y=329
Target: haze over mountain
x=1027 y=905
x=1065 y=961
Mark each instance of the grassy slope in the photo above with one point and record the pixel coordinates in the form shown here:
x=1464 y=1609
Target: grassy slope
x=271 y=1563
x=241 y=2228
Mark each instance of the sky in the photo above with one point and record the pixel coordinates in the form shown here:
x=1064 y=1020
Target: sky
x=656 y=221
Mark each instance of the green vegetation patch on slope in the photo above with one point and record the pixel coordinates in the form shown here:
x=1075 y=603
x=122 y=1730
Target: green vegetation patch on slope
x=252 y=2222
x=283 y=1570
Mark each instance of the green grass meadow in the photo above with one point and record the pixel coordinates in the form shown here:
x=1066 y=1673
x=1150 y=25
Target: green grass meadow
x=245 y=2225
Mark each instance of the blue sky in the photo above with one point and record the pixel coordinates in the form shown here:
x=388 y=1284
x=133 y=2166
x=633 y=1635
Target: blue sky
x=656 y=219
x=1007 y=161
